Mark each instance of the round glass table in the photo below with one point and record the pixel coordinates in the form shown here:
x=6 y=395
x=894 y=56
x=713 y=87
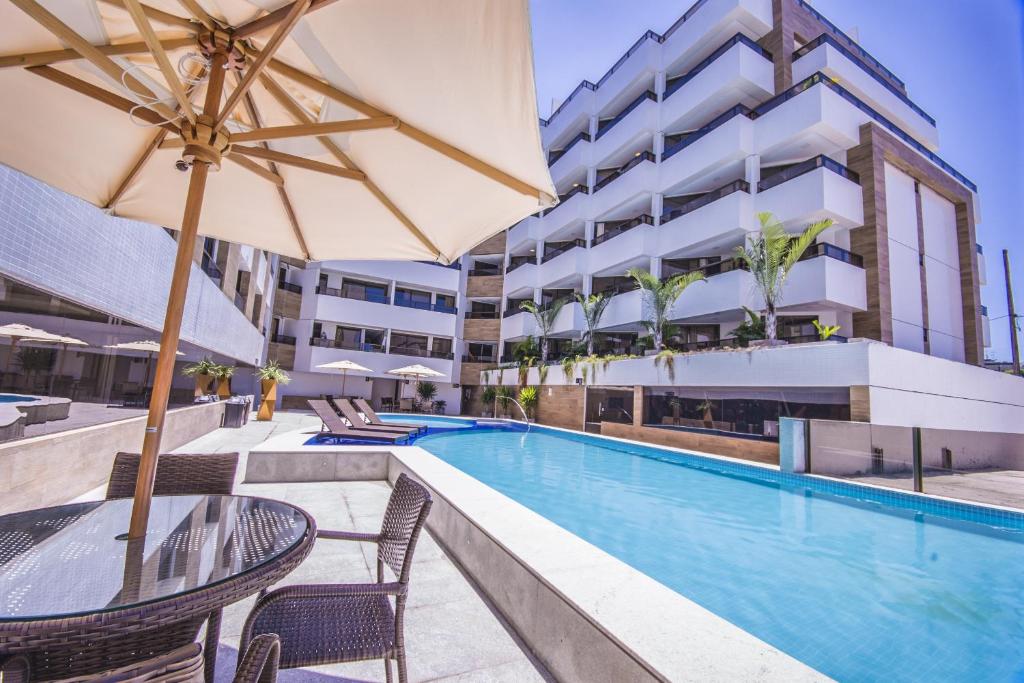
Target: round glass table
x=77 y=599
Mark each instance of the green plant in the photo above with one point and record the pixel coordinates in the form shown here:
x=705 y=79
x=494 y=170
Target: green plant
x=223 y=371
x=426 y=391
x=770 y=256
x=486 y=374
x=659 y=296
x=750 y=329
x=528 y=397
x=35 y=360
x=668 y=359
x=824 y=331
x=272 y=372
x=204 y=367
x=504 y=396
x=545 y=319
x=542 y=374
x=488 y=395
x=569 y=368
x=593 y=308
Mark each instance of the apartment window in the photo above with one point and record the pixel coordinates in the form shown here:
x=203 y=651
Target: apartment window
x=373 y=340
x=411 y=298
x=318 y=331
x=408 y=344
x=348 y=337
x=441 y=347
x=445 y=303
x=478 y=352
x=365 y=291
x=322 y=282
x=482 y=311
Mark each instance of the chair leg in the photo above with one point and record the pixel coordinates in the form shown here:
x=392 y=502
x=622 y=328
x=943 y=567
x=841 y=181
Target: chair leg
x=387 y=669
x=403 y=673
x=210 y=647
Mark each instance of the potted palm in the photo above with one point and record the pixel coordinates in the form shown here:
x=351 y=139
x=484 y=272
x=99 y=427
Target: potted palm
x=545 y=319
x=426 y=391
x=204 y=372
x=659 y=297
x=487 y=399
x=503 y=397
x=593 y=308
x=770 y=256
x=528 y=397
x=223 y=374
x=269 y=376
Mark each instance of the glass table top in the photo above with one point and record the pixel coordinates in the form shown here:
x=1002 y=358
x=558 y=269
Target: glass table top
x=69 y=560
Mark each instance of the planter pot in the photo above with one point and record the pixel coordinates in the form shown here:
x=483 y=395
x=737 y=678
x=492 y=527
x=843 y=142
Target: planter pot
x=268 y=398
x=203 y=383
x=224 y=388
x=756 y=343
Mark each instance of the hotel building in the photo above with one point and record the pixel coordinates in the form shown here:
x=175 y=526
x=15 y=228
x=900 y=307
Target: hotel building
x=744 y=106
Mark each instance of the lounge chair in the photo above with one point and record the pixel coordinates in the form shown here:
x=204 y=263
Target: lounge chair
x=335 y=426
x=373 y=419
x=353 y=416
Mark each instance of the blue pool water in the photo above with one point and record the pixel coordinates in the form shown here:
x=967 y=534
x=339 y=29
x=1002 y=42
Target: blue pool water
x=433 y=421
x=861 y=585
x=14 y=398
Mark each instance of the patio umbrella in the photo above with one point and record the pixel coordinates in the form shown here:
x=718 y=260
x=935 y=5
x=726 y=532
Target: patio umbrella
x=16 y=332
x=417 y=371
x=326 y=130
x=146 y=346
x=344 y=366
x=64 y=342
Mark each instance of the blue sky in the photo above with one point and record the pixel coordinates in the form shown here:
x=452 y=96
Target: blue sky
x=962 y=61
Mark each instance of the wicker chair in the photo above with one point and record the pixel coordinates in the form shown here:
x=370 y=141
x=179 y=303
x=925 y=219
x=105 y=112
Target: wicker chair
x=260 y=661
x=333 y=623
x=176 y=475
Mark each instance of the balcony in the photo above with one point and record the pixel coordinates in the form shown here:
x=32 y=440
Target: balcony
x=287 y=286
x=622 y=244
x=572 y=209
x=631 y=130
x=563 y=265
x=375 y=359
x=322 y=343
x=571 y=115
x=359 y=308
x=810 y=191
x=522 y=324
x=612 y=229
x=523 y=234
x=521 y=279
x=830 y=57
x=407 y=302
x=470 y=358
x=713 y=222
x=716 y=150
x=739 y=71
x=633 y=180
x=482 y=315
x=710 y=22
x=356 y=294
x=418 y=352
x=283 y=339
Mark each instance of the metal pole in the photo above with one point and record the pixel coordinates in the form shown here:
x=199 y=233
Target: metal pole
x=918 y=461
x=1012 y=314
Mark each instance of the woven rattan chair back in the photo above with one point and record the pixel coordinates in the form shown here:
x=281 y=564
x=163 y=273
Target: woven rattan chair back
x=406 y=513
x=176 y=475
x=260 y=661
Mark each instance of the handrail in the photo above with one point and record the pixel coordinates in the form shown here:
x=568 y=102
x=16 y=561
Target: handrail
x=346 y=294
x=619 y=288
x=725 y=265
x=583 y=84
x=705 y=199
x=648 y=35
x=619 y=227
x=825 y=38
x=683 y=19
x=557 y=154
x=470 y=358
x=357 y=346
x=562 y=199
x=516 y=261
x=850 y=41
x=728 y=115
x=607 y=125
x=832 y=251
x=406 y=302
x=557 y=251
x=289 y=287
x=679 y=81
x=820 y=161
x=482 y=315
x=625 y=168
x=283 y=339
x=479 y=272
x=820 y=78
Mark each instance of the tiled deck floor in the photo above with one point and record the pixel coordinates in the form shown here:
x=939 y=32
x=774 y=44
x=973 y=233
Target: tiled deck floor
x=451 y=632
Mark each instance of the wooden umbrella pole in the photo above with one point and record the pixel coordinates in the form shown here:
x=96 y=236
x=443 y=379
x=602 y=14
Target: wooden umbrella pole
x=172 y=319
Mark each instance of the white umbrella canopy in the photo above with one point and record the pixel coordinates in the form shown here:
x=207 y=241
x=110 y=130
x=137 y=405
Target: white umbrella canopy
x=418 y=371
x=146 y=346
x=320 y=130
x=345 y=366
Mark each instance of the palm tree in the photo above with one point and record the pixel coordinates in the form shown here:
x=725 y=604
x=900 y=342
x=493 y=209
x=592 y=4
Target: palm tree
x=659 y=296
x=770 y=255
x=593 y=308
x=545 y=318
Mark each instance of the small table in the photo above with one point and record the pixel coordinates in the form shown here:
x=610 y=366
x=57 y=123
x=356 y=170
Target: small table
x=76 y=598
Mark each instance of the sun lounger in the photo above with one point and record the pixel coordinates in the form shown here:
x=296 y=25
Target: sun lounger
x=352 y=415
x=335 y=426
x=373 y=419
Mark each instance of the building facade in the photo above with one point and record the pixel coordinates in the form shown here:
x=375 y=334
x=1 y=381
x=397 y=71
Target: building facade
x=381 y=315
x=744 y=106
x=70 y=269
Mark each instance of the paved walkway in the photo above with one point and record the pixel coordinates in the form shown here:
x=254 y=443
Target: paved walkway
x=83 y=414
x=452 y=634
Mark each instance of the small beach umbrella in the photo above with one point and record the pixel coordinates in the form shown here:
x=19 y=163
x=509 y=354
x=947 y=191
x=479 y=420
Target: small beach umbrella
x=344 y=366
x=16 y=332
x=363 y=129
x=64 y=342
x=146 y=346
x=417 y=371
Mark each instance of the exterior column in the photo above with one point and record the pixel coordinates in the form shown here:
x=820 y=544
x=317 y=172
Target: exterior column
x=656 y=266
x=657 y=207
x=660 y=78
x=588 y=232
x=752 y=171
x=658 y=145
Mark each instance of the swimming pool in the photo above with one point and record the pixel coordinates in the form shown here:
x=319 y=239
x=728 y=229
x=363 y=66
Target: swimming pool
x=15 y=398
x=434 y=421
x=859 y=583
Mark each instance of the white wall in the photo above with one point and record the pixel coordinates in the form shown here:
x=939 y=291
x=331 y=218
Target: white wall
x=904 y=260
x=942 y=272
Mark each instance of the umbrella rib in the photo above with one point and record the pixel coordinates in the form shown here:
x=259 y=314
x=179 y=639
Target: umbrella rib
x=159 y=16
x=295 y=13
x=250 y=165
x=298 y=162
x=193 y=8
x=83 y=47
x=104 y=96
x=297 y=112
x=261 y=134
x=257 y=120
x=424 y=138
x=157 y=50
x=274 y=18
x=144 y=158
x=56 y=56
